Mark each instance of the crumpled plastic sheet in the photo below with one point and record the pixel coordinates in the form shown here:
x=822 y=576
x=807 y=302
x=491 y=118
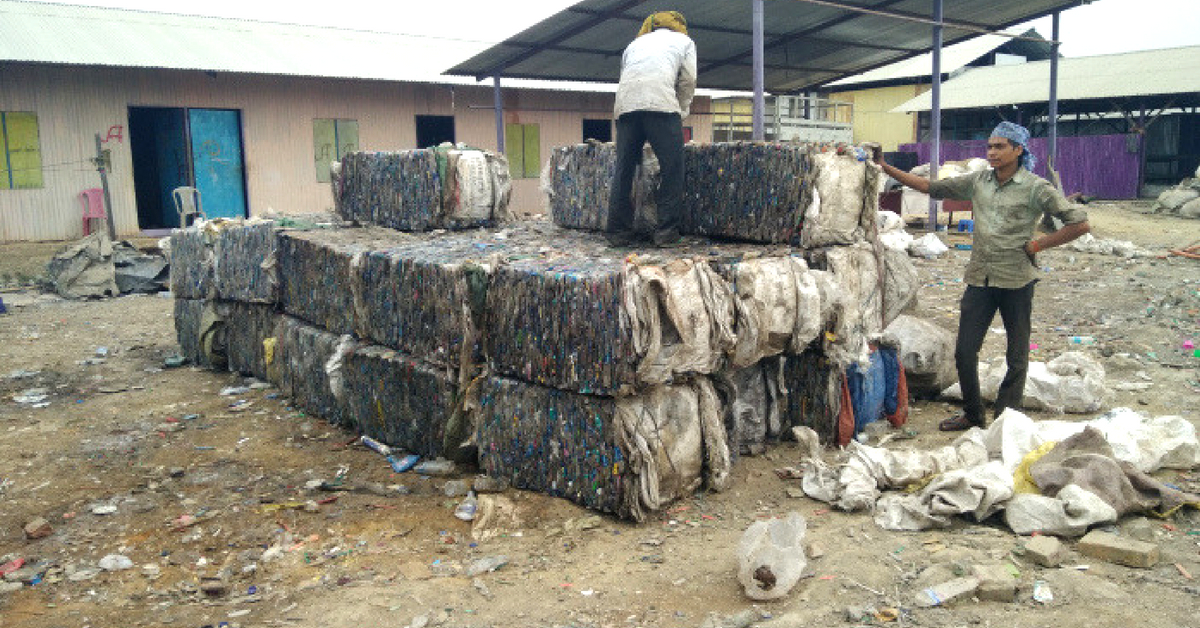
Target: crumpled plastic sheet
x=927 y=352
x=301 y=355
x=397 y=399
x=1072 y=382
x=843 y=208
x=974 y=475
x=247 y=326
x=853 y=289
x=245 y=268
x=577 y=185
x=681 y=317
x=778 y=307
x=411 y=191
x=900 y=284
x=753 y=399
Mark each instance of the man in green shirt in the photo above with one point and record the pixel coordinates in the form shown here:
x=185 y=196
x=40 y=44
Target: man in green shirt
x=1008 y=202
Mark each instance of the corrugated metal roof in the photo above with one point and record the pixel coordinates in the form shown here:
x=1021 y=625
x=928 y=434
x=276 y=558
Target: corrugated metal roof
x=1171 y=71
x=954 y=58
x=77 y=35
x=807 y=42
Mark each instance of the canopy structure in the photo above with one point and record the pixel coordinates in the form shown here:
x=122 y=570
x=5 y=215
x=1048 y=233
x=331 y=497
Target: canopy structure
x=805 y=43
x=780 y=46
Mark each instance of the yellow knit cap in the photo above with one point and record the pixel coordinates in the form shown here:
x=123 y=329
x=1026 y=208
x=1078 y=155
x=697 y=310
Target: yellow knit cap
x=664 y=19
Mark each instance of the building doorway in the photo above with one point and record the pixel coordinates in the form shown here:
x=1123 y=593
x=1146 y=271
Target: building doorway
x=178 y=147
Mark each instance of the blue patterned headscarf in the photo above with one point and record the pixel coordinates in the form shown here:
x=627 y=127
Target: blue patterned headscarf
x=1019 y=135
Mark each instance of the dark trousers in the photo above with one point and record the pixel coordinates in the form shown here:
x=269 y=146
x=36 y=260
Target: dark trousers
x=664 y=131
x=979 y=305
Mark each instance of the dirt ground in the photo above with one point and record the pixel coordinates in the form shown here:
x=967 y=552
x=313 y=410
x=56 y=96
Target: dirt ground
x=214 y=498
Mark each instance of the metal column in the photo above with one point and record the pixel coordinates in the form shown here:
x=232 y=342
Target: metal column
x=498 y=100
x=757 y=114
x=1052 y=157
x=935 y=114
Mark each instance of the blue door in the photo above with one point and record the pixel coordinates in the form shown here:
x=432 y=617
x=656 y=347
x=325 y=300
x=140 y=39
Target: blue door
x=217 y=161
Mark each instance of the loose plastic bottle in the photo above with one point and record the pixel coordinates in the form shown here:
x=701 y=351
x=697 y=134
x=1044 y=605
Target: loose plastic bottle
x=466 y=509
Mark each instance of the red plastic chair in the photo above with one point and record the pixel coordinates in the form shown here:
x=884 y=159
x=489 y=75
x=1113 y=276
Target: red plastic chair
x=93 y=207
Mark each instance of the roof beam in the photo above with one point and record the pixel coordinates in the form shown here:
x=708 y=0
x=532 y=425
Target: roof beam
x=786 y=38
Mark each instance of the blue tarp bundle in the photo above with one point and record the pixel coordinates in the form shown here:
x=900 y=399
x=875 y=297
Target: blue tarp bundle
x=874 y=391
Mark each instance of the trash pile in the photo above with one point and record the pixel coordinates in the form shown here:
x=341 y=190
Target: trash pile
x=1181 y=200
x=1050 y=477
x=95 y=266
x=538 y=354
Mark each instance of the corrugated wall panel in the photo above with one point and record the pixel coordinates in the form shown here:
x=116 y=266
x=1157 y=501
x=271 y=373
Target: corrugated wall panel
x=74 y=103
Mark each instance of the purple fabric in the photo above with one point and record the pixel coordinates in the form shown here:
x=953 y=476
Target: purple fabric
x=1102 y=166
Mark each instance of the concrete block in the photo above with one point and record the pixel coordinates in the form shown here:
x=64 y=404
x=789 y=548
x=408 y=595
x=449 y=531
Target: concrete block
x=38 y=528
x=946 y=592
x=996 y=582
x=1046 y=551
x=1115 y=549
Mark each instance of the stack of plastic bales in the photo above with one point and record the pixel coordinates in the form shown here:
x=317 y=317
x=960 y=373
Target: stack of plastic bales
x=620 y=381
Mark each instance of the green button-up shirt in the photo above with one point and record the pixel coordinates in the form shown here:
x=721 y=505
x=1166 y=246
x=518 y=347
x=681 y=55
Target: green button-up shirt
x=1005 y=218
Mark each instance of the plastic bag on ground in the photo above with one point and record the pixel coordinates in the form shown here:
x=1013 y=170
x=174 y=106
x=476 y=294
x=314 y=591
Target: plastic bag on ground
x=771 y=557
x=928 y=246
x=927 y=352
x=1073 y=382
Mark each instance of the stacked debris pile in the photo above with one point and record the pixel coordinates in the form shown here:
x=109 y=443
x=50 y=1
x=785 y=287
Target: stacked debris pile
x=1181 y=200
x=750 y=191
x=542 y=354
x=447 y=187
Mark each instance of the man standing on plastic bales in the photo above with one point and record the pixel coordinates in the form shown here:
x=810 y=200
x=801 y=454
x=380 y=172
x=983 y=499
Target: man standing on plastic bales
x=1008 y=202
x=658 y=79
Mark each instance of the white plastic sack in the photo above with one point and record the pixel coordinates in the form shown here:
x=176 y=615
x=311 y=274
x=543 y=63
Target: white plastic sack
x=1072 y=382
x=928 y=246
x=778 y=306
x=1171 y=200
x=900 y=284
x=835 y=215
x=926 y=351
x=697 y=330
x=1068 y=514
x=771 y=557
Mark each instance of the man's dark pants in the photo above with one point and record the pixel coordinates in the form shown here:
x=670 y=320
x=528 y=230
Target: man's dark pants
x=664 y=131
x=978 y=306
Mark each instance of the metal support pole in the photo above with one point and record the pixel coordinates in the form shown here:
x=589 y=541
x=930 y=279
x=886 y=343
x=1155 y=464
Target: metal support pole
x=1052 y=157
x=757 y=117
x=102 y=164
x=498 y=98
x=935 y=114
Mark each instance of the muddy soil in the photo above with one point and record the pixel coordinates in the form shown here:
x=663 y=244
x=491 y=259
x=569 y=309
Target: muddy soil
x=217 y=500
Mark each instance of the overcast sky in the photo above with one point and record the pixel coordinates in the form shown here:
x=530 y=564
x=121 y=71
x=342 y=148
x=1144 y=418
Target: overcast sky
x=1105 y=26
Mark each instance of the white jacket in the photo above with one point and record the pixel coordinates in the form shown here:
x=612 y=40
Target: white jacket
x=658 y=73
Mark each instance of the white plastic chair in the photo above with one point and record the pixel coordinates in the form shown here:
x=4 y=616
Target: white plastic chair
x=187 y=204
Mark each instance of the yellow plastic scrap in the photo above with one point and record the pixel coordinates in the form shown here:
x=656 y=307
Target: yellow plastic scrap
x=269 y=350
x=281 y=506
x=1022 y=481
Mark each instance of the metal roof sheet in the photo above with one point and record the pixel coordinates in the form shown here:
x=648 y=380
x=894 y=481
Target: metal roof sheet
x=94 y=36
x=953 y=58
x=807 y=42
x=1170 y=71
